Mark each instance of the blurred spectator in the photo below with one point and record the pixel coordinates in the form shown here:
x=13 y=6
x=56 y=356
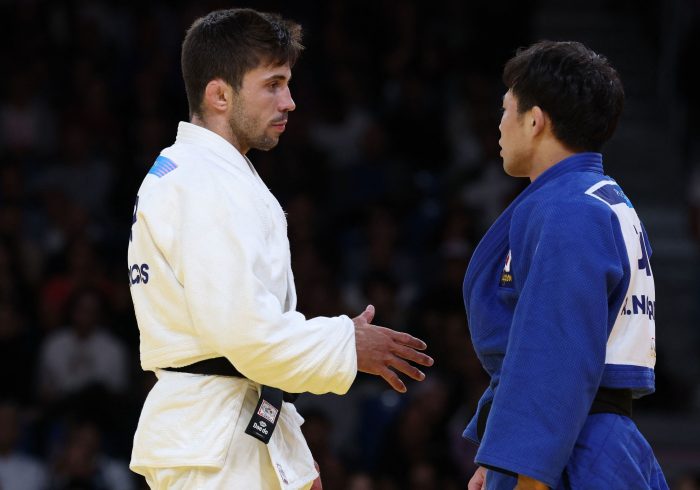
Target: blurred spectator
x=426 y=476
x=81 y=464
x=340 y=135
x=360 y=481
x=78 y=267
x=313 y=277
x=63 y=221
x=78 y=173
x=471 y=93
x=377 y=247
x=374 y=175
x=418 y=437
x=307 y=229
x=82 y=354
x=489 y=190
x=382 y=290
x=17 y=471
x=26 y=122
x=445 y=266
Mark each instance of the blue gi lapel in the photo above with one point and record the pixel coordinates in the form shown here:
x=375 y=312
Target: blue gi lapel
x=494 y=243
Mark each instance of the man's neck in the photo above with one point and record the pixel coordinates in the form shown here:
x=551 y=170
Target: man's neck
x=221 y=127
x=548 y=154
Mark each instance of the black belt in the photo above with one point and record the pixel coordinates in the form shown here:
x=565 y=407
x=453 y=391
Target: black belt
x=264 y=420
x=607 y=400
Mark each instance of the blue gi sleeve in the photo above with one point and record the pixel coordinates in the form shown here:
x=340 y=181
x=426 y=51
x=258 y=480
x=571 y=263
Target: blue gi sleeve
x=472 y=432
x=566 y=258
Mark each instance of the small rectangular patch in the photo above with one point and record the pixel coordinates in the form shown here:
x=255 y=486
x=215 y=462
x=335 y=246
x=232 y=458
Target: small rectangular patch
x=262 y=423
x=506 y=275
x=267 y=411
x=162 y=166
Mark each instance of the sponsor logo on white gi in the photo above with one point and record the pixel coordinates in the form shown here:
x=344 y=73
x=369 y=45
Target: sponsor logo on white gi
x=138 y=274
x=261 y=428
x=267 y=411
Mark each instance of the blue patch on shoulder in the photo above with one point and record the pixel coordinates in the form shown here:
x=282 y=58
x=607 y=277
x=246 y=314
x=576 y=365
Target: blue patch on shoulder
x=612 y=194
x=162 y=166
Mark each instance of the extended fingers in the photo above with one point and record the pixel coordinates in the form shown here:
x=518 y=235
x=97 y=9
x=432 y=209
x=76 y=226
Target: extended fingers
x=393 y=379
x=413 y=355
x=406 y=368
x=408 y=340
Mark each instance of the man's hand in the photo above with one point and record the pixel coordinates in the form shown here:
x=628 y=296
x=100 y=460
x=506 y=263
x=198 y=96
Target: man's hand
x=478 y=480
x=379 y=349
x=527 y=483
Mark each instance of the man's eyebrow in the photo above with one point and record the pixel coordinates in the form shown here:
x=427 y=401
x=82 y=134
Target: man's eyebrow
x=277 y=77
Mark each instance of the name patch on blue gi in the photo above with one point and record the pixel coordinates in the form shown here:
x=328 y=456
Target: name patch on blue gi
x=639 y=305
x=506 y=275
x=162 y=166
x=612 y=194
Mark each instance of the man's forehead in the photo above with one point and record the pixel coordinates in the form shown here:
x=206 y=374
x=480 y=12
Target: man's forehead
x=266 y=71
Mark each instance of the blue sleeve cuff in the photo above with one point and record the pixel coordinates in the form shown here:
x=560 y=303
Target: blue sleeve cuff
x=470 y=432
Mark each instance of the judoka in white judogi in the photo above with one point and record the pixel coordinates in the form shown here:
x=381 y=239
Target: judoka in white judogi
x=210 y=275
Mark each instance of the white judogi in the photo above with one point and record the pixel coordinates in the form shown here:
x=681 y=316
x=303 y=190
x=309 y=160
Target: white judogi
x=210 y=274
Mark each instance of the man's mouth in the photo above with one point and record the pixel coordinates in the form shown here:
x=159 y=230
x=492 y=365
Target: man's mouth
x=279 y=125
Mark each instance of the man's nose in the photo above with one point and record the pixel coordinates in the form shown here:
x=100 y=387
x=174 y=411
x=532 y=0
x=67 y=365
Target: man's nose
x=287 y=103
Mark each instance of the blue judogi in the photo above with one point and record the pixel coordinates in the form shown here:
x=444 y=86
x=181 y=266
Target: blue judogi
x=560 y=300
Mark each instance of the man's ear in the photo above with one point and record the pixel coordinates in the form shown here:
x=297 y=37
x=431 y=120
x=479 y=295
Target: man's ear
x=537 y=120
x=217 y=96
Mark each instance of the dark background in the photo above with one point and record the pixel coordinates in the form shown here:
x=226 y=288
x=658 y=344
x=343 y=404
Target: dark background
x=390 y=174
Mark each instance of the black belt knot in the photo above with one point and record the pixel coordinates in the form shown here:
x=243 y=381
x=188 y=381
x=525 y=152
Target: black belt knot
x=264 y=420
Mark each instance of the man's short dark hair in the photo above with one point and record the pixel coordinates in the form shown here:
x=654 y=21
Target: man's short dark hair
x=228 y=43
x=578 y=88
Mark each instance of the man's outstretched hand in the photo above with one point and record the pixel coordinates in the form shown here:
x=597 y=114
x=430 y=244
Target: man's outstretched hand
x=382 y=351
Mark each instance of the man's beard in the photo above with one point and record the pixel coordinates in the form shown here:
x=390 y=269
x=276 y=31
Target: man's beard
x=244 y=129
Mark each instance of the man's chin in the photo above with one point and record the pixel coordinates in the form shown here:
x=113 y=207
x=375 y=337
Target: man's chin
x=507 y=169
x=266 y=144
x=512 y=169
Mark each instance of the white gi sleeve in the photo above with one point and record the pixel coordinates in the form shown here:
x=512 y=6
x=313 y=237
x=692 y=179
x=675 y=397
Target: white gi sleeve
x=219 y=251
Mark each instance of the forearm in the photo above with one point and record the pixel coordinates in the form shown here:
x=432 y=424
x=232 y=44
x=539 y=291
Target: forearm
x=297 y=355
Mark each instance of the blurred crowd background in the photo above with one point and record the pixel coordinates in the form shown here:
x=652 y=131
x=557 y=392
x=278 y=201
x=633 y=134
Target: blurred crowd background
x=390 y=174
